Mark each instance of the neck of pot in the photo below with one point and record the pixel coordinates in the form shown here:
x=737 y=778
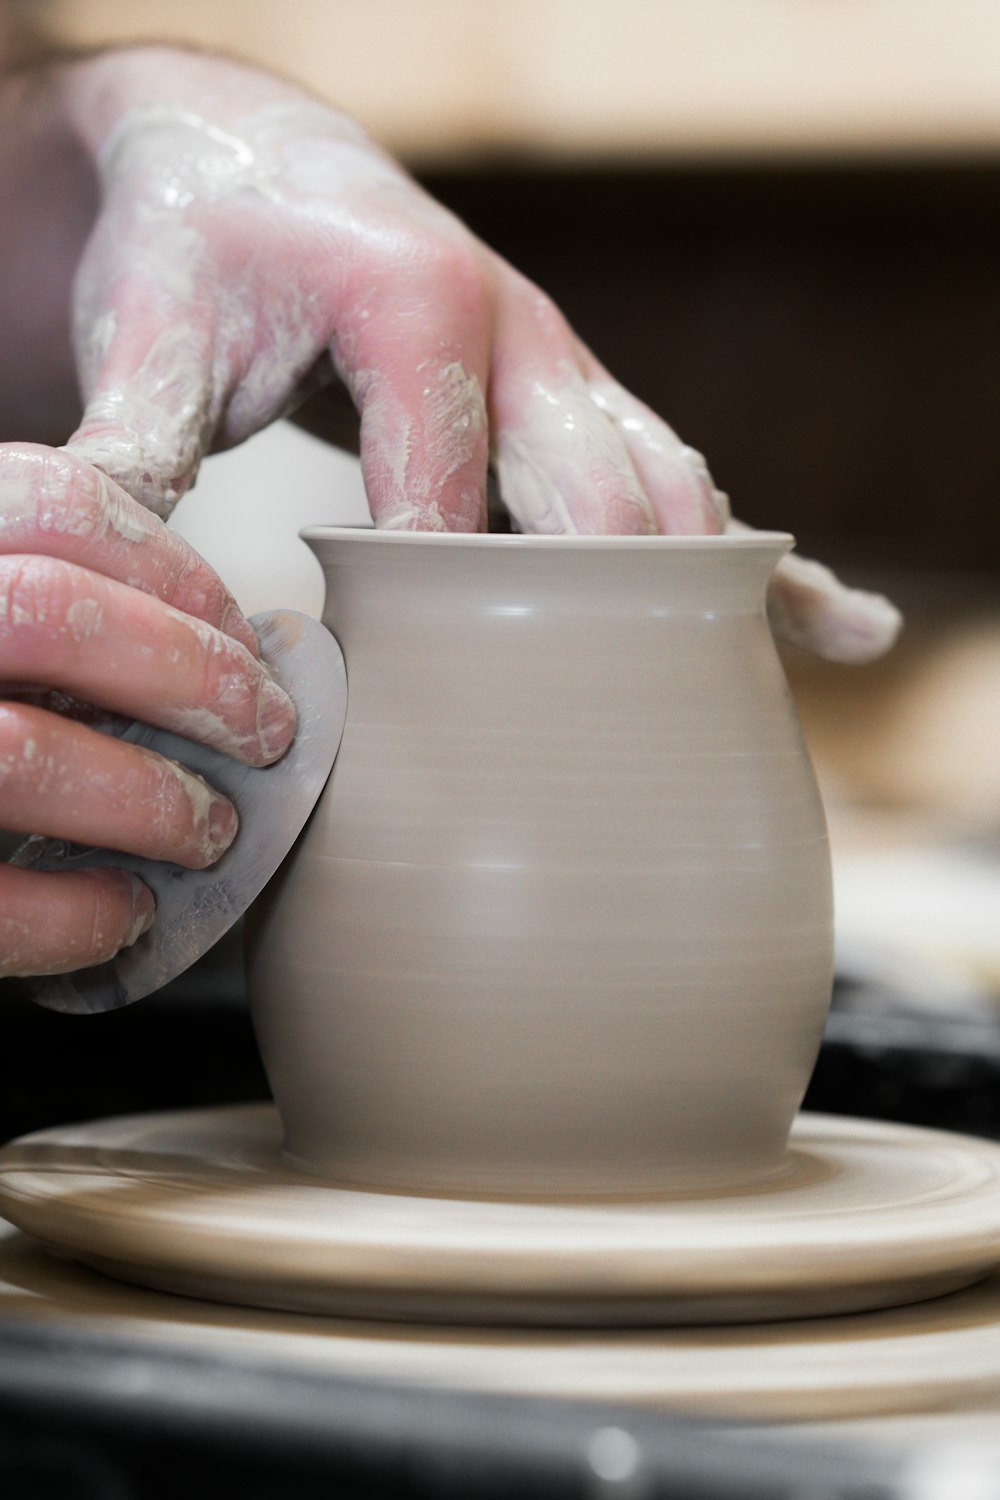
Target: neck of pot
x=408 y=575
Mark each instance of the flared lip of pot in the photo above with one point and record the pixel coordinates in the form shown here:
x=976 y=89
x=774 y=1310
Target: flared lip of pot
x=769 y=541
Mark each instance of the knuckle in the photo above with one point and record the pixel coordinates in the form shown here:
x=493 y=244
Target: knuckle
x=442 y=259
x=458 y=261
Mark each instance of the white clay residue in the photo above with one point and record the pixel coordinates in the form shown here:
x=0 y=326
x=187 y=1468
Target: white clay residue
x=206 y=727
x=193 y=158
x=25 y=758
x=26 y=599
x=142 y=920
x=149 y=431
x=407 y=463
x=165 y=170
x=84 y=618
x=285 y=351
x=225 y=673
x=71 y=501
x=167 y=256
x=121 y=514
x=148 y=427
x=675 y=474
x=529 y=489
x=318 y=165
x=566 y=468
x=272 y=719
x=17 y=491
x=198 y=799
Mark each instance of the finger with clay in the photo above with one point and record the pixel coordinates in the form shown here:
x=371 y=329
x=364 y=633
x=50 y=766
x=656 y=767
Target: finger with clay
x=236 y=247
x=86 y=574
x=253 y=243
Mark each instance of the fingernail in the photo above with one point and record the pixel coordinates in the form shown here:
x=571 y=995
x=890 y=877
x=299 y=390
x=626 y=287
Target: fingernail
x=223 y=823
x=143 y=911
x=275 y=720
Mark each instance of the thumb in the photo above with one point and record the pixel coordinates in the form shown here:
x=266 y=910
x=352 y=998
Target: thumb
x=151 y=408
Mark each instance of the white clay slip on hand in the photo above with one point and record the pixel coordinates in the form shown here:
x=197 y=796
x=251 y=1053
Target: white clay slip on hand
x=194 y=908
x=200 y=1202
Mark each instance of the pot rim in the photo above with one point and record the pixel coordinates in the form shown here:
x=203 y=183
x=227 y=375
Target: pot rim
x=740 y=541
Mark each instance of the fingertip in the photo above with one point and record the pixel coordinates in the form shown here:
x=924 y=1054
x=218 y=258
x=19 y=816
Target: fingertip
x=223 y=826
x=123 y=908
x=863 y=628
x=809 y=607
x=276 y=721
x=143 y=910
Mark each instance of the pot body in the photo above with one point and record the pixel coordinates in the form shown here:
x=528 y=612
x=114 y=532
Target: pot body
x=561 y=922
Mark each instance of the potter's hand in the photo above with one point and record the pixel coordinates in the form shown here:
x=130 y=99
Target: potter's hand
x=252 y=243
x=100 y=603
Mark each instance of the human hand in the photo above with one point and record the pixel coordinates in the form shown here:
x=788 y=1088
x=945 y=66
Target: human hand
x=253 y=244
x=100 y=603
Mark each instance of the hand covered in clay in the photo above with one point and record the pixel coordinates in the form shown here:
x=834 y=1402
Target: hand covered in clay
x=252 y=244
x=101 y=605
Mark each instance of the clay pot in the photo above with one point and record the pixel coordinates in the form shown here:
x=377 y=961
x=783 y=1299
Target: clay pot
x=561 y=922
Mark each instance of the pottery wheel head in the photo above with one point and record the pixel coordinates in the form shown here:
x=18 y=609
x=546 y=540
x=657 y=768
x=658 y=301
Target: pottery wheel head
x=194 y=908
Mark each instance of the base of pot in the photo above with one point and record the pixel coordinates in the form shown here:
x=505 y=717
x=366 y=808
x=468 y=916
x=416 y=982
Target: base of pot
x=200 y=1202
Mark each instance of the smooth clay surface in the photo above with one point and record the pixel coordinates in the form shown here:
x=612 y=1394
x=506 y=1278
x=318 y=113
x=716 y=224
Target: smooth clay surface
x=561 y=923
x=200 y=1202
x=932 y=1360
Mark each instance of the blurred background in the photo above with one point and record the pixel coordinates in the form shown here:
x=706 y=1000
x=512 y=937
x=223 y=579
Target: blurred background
x=779 y=224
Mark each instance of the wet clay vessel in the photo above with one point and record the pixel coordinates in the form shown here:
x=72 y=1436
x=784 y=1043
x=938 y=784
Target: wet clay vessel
x=561 y=921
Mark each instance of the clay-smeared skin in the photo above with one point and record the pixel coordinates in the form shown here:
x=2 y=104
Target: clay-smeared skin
x=251 y=240
x=247 y=244
x=100 y=601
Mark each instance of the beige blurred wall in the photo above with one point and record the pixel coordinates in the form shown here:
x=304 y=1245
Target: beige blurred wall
x=439 y=80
